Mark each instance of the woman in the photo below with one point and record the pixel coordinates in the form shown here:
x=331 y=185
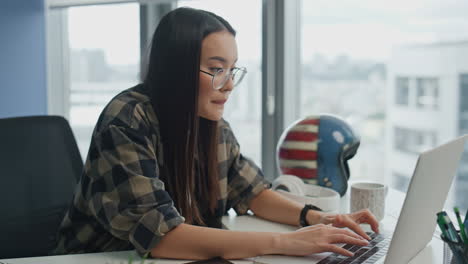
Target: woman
x=164 y=167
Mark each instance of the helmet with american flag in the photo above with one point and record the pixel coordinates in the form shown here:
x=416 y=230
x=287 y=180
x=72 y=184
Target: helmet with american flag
x=317 y=149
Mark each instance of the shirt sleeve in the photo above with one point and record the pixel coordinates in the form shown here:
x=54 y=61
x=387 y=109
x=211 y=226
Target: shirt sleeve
x=245 y=178
x=126 y=195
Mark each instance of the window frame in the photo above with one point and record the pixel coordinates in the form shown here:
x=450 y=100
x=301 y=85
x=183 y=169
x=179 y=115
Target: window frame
x=58 y=58
x=280 y=71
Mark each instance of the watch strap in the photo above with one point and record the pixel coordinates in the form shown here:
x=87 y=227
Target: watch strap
x=302 y=218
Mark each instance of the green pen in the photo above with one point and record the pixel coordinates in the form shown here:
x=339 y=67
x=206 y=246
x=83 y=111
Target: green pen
x=461 y=225
x=451 y=228
x=448 y=226
x=443 y=229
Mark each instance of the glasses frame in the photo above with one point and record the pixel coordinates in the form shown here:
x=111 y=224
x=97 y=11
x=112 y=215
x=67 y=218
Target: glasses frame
x=231 y=73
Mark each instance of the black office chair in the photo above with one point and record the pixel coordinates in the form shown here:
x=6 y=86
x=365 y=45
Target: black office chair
x=39 y=167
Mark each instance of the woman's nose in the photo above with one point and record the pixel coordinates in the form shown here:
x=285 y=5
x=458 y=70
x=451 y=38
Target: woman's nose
x=228 y=86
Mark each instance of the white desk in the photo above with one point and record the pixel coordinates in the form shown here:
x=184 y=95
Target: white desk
x=433 y=253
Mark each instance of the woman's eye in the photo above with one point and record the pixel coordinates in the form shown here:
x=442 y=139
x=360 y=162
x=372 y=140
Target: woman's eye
x=216 y=69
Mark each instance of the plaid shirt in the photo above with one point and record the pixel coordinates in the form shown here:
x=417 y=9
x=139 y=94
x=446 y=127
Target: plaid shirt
x=120 y=202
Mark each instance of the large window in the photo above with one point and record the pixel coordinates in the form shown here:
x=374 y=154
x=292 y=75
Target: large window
x=104 y=50
x=402 y=91
x=243 y=110
x=417 y=92
x=363 y=60
x=427 y=93
x=360 y=60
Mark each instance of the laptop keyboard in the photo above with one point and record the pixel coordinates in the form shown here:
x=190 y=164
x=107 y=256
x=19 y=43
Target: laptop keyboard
x=377 y=248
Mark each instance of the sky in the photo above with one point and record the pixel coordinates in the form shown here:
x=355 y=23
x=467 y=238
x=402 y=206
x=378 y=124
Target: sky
x=365 y=29
x=370 y=28
x=112 y=27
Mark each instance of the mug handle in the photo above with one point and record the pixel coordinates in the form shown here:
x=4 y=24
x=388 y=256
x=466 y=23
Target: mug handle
x=386 y=190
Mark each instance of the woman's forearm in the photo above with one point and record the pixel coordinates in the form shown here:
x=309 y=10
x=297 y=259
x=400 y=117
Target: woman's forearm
x=195 y=242
x=273 y=206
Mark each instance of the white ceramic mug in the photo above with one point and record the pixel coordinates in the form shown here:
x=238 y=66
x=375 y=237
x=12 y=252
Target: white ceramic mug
x=368 y=195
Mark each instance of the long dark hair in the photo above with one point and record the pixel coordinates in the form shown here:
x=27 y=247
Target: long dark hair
x=172 y=79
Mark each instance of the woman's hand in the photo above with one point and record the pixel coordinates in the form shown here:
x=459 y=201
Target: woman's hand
x=351 y=221
x=315 y=239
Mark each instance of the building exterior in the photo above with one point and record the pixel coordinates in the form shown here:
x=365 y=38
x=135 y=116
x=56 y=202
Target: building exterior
x=427 y=105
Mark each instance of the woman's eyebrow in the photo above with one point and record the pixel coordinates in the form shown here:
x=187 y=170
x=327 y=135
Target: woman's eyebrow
x=218 y=58
x=221 y=59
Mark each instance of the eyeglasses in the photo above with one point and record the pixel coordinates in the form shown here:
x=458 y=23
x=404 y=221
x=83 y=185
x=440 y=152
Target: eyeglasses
x=221 y=76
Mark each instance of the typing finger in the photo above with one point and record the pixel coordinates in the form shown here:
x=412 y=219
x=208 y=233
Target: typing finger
x=356 y=228
x=346 y=232
x=335 y=249
x=365 y=216
x=342 y=238
x=370 y=219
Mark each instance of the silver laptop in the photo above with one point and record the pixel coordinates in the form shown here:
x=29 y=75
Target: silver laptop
x=416 y=224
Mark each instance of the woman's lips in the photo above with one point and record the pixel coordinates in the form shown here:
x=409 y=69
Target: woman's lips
x=219 y=102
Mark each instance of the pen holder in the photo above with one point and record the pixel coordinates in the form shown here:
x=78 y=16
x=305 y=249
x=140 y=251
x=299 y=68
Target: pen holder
x=455 y=253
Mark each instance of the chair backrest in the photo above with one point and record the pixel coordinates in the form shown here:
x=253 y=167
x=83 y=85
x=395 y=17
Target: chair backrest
x=39 y=167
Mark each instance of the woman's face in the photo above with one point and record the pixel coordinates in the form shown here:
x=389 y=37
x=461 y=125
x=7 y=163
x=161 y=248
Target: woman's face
x=219 y=50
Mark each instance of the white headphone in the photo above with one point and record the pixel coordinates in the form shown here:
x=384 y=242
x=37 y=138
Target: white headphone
x=294 y=188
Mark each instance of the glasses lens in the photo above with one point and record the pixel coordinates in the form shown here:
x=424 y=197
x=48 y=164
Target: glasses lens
x=238 y=76
x=222 y=76
x=219 y=79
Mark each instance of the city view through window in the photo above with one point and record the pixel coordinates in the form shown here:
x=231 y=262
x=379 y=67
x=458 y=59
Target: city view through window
x=104 y=60
x=396 y=71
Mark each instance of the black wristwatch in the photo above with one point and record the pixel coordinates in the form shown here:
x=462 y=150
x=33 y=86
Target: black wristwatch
x=302 y=218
